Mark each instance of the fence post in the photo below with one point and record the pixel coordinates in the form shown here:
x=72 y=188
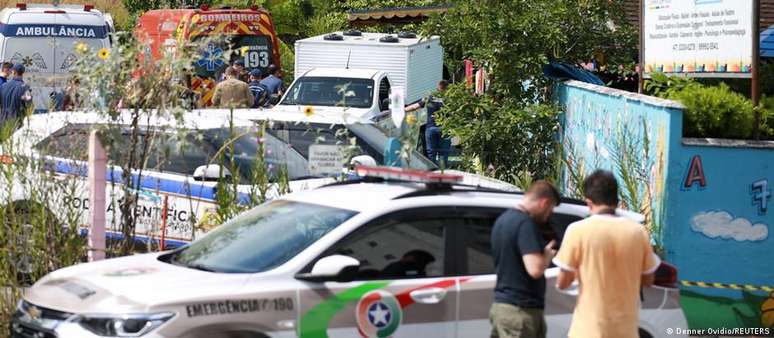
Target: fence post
x=97 y=185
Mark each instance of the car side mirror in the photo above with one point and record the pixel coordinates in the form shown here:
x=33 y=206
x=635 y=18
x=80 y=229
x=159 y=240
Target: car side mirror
x=210 y=173
x=336 y=268
x=384 y=105
x=274 y=99
x=361 y=160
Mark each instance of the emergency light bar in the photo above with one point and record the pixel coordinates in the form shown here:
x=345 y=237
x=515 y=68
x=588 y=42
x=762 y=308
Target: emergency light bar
x=411 y=175
x=21 y=6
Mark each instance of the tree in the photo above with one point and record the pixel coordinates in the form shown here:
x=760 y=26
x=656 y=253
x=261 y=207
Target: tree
x=515 y=39
x=509 y=129
x=137 y=7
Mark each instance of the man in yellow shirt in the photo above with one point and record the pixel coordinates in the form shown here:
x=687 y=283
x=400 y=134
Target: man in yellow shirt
x=612 y=259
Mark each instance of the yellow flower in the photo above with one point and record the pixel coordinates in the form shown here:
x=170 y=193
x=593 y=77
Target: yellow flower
x=103 y=54
x=411 y=119
x=309 y=111
x=82 y=48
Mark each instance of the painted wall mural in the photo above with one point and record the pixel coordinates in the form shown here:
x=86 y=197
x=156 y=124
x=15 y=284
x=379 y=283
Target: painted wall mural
x=624 y=135
x=721 y=224
x=707 y=202
x=720 y=232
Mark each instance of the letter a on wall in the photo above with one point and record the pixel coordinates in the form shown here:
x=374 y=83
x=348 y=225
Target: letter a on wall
x=695 y=174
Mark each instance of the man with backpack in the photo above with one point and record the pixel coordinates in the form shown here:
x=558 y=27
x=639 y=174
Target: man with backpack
x=260 y=92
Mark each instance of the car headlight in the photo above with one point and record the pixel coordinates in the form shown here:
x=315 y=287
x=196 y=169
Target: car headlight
x=123 y=325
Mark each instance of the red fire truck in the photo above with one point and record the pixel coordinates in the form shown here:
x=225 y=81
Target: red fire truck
x=226 y=34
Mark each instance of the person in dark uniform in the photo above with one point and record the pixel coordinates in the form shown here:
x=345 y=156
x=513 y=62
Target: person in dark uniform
x=15 y=96
x=436 y=145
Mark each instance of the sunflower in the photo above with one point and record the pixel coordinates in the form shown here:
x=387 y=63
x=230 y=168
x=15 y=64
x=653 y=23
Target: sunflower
x=308 y=111
x=82 y=48
x=411 y=119
x=103 y=54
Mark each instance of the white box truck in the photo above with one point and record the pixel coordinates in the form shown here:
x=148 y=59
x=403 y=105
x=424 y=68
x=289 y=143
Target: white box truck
x=369 y=65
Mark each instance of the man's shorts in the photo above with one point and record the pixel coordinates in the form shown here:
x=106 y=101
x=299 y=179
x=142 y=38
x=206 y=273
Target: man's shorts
x=510 y=321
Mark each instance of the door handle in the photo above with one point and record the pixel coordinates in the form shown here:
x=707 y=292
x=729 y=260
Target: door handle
x=428 y=296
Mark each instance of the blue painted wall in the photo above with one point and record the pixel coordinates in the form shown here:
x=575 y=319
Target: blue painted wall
x=710 y=200
x=718 y=230
x=627 y=134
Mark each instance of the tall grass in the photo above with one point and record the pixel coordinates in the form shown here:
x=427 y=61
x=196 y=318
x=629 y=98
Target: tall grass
x=33 y=240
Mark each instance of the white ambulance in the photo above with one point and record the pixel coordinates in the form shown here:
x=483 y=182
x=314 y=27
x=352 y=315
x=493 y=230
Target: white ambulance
x=43 y=38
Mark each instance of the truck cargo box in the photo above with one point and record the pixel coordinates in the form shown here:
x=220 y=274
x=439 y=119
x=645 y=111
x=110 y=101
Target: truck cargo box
x=414 y=63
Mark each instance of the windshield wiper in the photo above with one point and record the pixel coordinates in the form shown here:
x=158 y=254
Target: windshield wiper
x=201 y=267
x=309 y=177
x=174 y=261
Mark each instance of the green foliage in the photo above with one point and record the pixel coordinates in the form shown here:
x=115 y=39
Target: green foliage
x=287 y=60
x=33 y=241
x=766 y=74
x=715 y=112
x=710 y=111
x=501 y=137
x=665 y=86
x=507 y=132
x=291 y=17
x=139 y=6
x=326 y=22
x=514 y=39
x=767 y=117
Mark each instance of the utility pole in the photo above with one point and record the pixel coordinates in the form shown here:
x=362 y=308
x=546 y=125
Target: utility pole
x=756 y=56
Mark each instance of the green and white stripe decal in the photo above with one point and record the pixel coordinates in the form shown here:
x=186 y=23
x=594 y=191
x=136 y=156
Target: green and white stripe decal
x=314 y=323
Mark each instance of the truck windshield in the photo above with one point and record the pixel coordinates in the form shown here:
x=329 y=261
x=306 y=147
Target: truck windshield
x=330 y=91
x=217 y=53
x=261 y=239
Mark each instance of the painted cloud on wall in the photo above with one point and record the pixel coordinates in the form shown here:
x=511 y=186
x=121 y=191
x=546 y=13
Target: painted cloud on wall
x=714 y=224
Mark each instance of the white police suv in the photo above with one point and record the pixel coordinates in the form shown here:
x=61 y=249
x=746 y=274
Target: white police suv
x=396 y=253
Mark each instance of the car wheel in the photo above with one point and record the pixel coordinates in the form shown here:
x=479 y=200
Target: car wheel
x=644 y=334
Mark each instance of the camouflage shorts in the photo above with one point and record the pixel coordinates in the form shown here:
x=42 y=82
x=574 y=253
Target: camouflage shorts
x=510 y=321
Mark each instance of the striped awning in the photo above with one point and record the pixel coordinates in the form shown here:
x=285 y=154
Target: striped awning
x=395 y=13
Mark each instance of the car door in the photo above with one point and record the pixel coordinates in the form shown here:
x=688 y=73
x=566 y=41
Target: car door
x=477 y=264
x=404 y=287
